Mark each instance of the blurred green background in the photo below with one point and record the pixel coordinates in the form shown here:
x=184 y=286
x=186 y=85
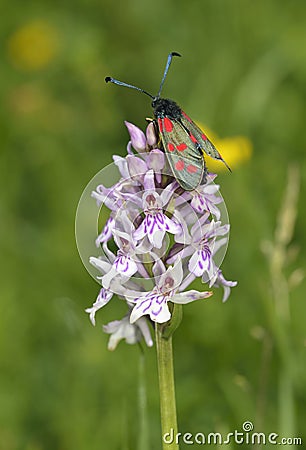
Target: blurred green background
x=242 y=73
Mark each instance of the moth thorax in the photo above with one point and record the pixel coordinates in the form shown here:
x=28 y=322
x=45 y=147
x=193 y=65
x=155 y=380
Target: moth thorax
x=164 y=107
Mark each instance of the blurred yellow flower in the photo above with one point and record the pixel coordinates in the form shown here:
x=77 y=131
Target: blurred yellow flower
x=33 y=46
x=235 y=150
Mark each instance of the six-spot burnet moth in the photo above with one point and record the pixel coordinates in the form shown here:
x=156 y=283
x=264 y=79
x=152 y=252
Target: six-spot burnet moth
x=182 y=139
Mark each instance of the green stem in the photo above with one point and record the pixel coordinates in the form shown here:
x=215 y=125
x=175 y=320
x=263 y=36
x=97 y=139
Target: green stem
x=143 y=438
x=166 y=386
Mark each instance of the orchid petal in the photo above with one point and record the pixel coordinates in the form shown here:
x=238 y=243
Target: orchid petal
x=148 y=182
x=106 y=196
x=167 y=193
x=151 y=134
x=102 y=299
x=156 y=160
x=152 y=304
x=171 y=225
x=136 y=166
x=156 y=237
x=123 y=240
x=125 y=265
x=138 y=138
x=142 y=324
x=190 y=296
x=199 y=263
x=158 y=268
x=108 y=277
x=121 y=163
x=141 y=231
x=172 y=278
x=106 y=233
x=100 y=264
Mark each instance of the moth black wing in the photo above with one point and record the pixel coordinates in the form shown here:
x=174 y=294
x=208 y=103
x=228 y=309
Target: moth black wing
x=199 y=136
x=183 y=153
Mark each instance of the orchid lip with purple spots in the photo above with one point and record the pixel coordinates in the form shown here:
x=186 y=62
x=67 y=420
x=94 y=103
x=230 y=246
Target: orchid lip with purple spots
x=155 y=303
x=156 y=223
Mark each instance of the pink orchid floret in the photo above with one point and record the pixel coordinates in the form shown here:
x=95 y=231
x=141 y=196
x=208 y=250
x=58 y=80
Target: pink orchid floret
x=130 y=332
x=155 y=302
x=205 y=198
x=102 y=300
x=203 y=247
x=156 y=223
x=126 y=262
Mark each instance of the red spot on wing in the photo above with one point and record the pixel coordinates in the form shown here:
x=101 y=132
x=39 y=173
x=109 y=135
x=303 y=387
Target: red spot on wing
x=186 y=117
x=181 y=147
x=170 y=146
x=160 y=125
x=203 y=136
x=192 y=169
x=180 y=165
x=168 y=125
x=193 y=138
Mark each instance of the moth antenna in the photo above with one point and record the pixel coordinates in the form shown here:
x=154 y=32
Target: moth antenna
x=170 y=56
x=121 y=83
